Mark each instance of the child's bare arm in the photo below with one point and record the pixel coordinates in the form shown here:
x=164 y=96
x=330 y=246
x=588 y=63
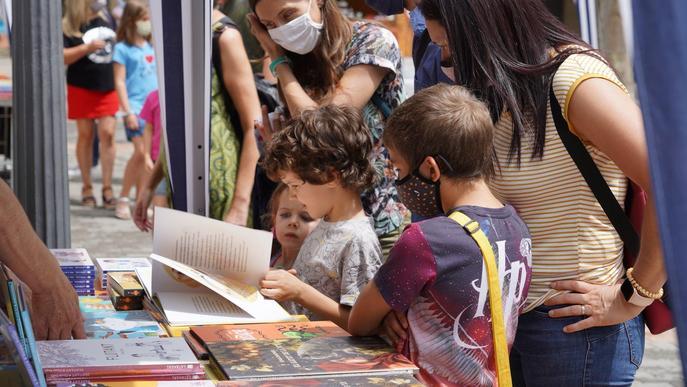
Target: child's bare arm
x=368 y=312
x=283 y=285
x=148 y=145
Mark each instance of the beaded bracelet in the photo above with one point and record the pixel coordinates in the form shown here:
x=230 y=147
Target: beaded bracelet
x=277 y=61
x=641 y=290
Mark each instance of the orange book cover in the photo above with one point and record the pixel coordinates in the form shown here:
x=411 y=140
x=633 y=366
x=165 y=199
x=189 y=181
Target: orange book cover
x=308 y=329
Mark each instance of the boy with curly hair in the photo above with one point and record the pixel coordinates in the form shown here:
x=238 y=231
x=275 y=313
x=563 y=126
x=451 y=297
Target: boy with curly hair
x=323 y=156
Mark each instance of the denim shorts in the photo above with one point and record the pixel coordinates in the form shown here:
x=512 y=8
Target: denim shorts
x=543 y=355
x=161 y=189
x=131 y=133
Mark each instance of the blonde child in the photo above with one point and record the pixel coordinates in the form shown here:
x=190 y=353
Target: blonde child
x=323 y=156
x=291 y=224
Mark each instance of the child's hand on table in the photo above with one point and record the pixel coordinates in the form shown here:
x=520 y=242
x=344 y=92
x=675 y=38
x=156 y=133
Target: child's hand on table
x=395 y=327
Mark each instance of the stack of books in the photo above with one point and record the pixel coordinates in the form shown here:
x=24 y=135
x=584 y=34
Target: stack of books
x=110 y=265
x=96 y=361
x=79 y=269
x=125 y=291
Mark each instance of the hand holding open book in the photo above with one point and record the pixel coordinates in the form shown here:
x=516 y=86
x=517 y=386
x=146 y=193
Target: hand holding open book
x=207 y=272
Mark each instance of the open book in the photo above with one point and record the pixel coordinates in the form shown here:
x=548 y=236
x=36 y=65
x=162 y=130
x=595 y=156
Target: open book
x=207 y=272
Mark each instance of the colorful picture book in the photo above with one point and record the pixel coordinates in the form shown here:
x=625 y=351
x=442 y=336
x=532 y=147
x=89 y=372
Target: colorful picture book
x=390 y=380
x=110 y=265
x=307 y=357
x=77 y=265
x=214 y=333
x=206 y=271
x=118 y=360
x=95 y=303
x=110 y=324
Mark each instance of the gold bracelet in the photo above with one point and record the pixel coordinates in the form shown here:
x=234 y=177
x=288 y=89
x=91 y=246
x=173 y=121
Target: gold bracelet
x=641 y=290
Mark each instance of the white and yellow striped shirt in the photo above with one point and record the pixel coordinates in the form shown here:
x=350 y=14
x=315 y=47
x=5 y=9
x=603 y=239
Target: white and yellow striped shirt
x=572 y=237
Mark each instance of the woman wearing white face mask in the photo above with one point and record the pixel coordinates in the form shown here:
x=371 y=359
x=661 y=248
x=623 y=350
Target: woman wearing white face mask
x=320 y=57
x=135 y=77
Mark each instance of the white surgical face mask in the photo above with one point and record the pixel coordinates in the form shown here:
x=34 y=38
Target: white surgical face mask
x=300 y=35
x=143 y=28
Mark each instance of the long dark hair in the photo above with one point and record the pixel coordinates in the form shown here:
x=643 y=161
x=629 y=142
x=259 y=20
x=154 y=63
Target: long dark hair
x=320 y=70
x=501 y=51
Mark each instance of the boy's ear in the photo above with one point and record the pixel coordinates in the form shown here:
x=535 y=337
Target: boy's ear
x=432 y=170
x=335 y=181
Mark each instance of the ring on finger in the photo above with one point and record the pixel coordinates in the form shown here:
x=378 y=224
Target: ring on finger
x=584 y=310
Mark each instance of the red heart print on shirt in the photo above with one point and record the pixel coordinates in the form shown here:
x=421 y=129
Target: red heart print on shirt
x=150 y=58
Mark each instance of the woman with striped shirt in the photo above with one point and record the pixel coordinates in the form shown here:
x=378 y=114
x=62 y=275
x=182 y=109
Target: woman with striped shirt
x=578 y=328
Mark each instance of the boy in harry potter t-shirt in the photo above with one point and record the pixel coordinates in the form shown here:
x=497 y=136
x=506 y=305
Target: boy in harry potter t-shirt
x=435 y=273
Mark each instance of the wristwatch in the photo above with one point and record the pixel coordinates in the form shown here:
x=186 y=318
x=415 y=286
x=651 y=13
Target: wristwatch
x=632 y=295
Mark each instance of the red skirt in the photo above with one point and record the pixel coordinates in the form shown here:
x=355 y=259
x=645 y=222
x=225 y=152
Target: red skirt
x=84 y=103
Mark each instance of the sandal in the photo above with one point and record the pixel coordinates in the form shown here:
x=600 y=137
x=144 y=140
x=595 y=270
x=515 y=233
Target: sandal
x=109 y=202
x=87 y=198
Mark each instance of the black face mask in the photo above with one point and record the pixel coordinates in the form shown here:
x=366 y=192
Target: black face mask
x=420 y=195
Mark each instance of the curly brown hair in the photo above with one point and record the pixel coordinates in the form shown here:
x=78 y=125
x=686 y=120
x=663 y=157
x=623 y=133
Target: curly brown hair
x=323 y=144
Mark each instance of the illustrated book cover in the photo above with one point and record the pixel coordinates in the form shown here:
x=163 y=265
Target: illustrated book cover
x=213 y=333
x=105 y=324
x=307 y=357
x=116 y=357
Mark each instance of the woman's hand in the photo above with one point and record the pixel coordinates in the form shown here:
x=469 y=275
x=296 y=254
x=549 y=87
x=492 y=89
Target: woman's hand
x=96 y=45
x=282 y=285
x=603 y=304
x=260 y=32
x=143 y=200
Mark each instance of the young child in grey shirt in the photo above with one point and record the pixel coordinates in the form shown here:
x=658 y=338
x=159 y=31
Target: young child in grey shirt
x=323 y=156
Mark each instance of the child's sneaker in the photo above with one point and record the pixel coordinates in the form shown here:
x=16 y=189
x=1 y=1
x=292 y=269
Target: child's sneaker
x=123 y=211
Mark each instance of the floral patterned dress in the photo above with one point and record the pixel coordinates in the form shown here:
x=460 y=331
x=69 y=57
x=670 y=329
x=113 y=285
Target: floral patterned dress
x=374 y=45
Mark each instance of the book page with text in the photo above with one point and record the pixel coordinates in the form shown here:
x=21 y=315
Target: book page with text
x=244 y=296
x=210 y=309
x=211 y=245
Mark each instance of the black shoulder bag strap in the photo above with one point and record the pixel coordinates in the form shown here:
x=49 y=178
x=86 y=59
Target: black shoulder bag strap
x=594 y=179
